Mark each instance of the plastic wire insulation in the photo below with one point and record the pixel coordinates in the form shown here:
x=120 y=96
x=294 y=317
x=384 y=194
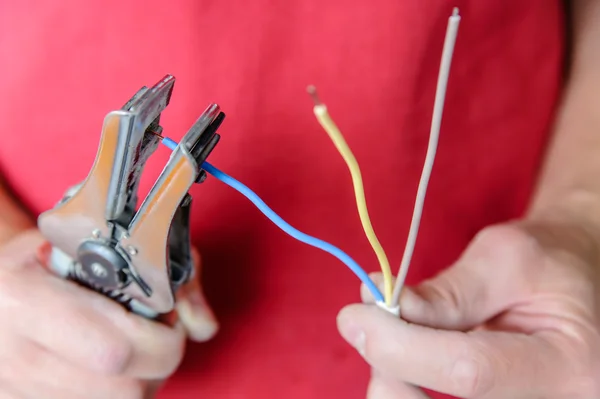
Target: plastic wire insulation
x=171 y=144
x=434 y=134
x=336 y=136
x=286 y=227
x=283 y=225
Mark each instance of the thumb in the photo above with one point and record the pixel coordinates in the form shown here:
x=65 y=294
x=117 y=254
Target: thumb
x=384 y=386
x=193 y=309
x=494 y=273
x=467 y=365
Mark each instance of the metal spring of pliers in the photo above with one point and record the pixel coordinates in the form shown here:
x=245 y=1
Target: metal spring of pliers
x=139 y=258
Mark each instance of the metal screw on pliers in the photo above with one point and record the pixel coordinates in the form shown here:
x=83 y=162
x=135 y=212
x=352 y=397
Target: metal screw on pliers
x=99 y=270
x=132 y=250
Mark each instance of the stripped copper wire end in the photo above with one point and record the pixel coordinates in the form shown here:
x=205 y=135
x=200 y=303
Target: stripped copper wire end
x=156 y=134
x=312 y=91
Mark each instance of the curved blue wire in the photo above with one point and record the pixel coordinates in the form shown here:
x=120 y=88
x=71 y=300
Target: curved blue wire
x=286 y=227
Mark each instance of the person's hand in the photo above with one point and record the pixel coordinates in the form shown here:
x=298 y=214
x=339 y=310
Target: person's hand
x=515 y=317
x=61 y=341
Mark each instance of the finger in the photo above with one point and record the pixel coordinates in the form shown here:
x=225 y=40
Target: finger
x=20 y=251
x=407 y=295
x=155 y=349
x=497 y=271
x=456 y=363
x=193 y=309
x=365 y=293
x=30 y=371
x=385 y=387
x=5 y=393
x=87 y=328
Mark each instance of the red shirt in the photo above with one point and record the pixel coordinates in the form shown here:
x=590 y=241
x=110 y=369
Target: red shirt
x=66 y=63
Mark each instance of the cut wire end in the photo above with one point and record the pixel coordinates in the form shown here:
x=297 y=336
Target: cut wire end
x=171 y=144
x=155 y=133
x=438 y=110
x=312 y=91
x=336 y=136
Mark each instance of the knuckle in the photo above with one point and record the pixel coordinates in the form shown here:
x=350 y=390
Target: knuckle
x=444 y=291
x=114 y=355
x=516 y=250
x=158 y=350
x=510 y=240
x=473 y=374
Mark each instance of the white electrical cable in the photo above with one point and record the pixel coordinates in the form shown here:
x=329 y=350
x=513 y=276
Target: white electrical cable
x=440 y=96
x=395 y=310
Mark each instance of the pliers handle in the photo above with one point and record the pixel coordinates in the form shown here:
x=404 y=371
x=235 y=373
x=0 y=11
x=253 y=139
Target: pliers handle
x=139 y=257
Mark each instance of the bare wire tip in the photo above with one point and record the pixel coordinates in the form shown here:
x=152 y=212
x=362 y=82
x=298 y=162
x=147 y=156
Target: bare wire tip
x=156 y=134
x=455 y=12
x=312 y=91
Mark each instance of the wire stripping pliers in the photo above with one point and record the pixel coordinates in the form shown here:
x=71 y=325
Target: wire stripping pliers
x=138 y=256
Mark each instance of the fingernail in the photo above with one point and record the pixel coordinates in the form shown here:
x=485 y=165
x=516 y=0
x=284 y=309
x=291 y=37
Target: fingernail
x=199 y=322
x=360 y=342
x=352 y=332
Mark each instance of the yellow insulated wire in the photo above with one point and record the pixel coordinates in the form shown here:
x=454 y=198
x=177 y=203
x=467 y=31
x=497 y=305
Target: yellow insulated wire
x=334 y=133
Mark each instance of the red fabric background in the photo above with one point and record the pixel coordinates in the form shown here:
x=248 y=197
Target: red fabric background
x=66 y=63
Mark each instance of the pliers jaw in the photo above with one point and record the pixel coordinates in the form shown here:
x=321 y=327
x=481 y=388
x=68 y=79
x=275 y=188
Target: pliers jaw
x=138 y=257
